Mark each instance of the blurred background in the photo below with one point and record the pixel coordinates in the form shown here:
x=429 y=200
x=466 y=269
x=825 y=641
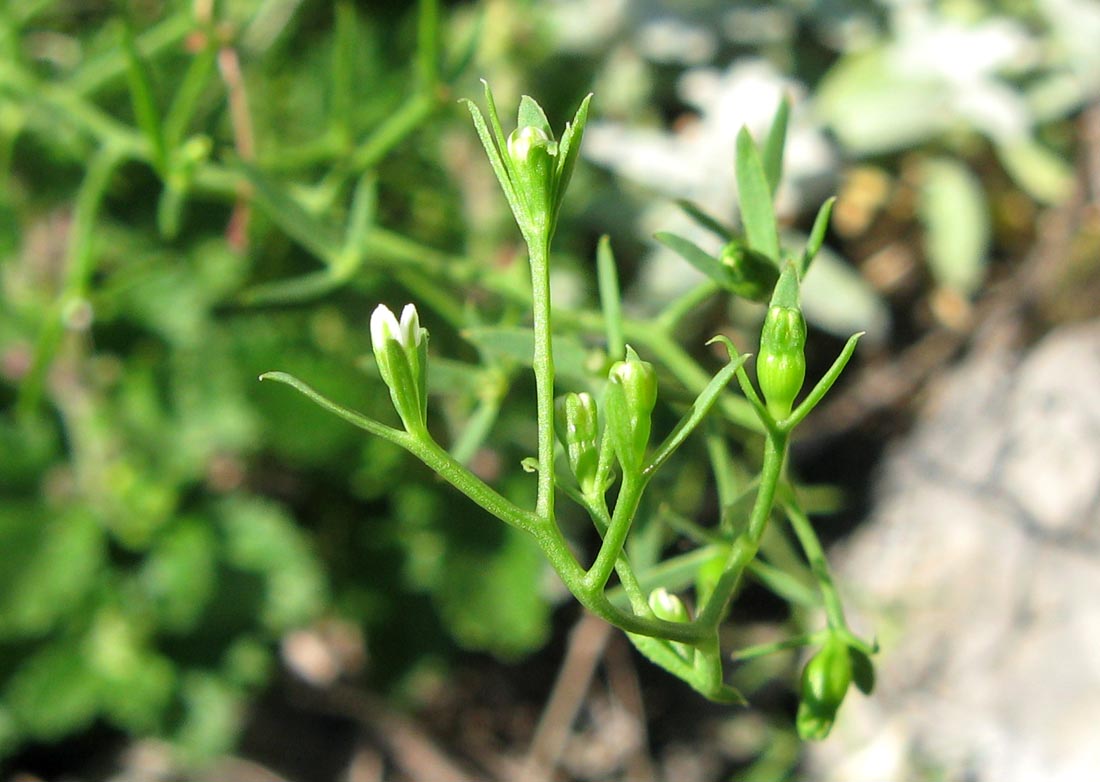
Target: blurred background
x=203 y=577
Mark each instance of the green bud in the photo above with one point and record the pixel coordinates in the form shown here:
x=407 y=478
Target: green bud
x=825 y=681
x=401 y=351
x=752 y=275
x=781 y=365
x=631 y=395
x=578 y=431
x=671 y=608
x=533 y=155
x=668 y=606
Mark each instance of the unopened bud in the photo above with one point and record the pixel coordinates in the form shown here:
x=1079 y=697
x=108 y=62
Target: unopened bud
x=631 y=395
x=825 y=681
x=578 y=431
x=401 y=351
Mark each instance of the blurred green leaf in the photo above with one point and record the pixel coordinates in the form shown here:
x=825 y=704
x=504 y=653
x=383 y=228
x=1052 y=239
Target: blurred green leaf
x=755 y=197
x=517 y=345
x=955 y=216
x=53 y=693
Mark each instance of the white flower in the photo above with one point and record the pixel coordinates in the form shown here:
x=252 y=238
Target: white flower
x=401 y=352
x=385 y=326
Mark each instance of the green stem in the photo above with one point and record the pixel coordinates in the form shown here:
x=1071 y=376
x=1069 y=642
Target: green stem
x=80 y=263
x=819 y=565
x=626 y=506
x=427 y=451
x=409 y=116
x=745 y=547
x=543 y=361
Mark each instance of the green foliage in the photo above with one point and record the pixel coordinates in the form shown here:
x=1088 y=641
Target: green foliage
x=184 y=203
x=657 y=621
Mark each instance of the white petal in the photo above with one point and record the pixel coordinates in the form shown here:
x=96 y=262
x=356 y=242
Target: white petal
x=410 y=326
x=383 y=326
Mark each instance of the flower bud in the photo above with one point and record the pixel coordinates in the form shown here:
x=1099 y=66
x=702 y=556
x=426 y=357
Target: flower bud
x=781 y=365
x=401 y=351
x=631 y=395
x=533 y=155
x=578 y=431
x=825 y=681
x=668 y=606
x=752 y=275
x=671 y=608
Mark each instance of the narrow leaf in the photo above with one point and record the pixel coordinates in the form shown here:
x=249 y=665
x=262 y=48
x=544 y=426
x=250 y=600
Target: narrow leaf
x=494 y=119
x=141 y=98
x=757 y=212
x=956 y=221
x=352 y=417
x=344 y=46
x=607 y=276
x=774 y=145
x=495 y=160
x=723 y=232
x=317 y=237
x=699 y=408
x=569 y=149
x=703 y=261
x=817 y=236
x=427 y=43
x=293 y=290
x=364 y=206
x=531 y=115
x=518 y=345
x=187 y=96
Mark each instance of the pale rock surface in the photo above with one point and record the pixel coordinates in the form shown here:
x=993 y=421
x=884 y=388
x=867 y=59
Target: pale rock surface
x=979 y=571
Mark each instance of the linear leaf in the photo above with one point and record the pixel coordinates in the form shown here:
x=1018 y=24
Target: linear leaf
x=774 y=145
x=142 y=100
x=817 y=236
x=317 y=237
x=610 y=299
x=723 y=232
x=701 y=260
x=757 y=212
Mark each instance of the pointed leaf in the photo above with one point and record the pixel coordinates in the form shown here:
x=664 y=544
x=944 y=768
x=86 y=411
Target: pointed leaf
x=501 y=167
x=292 y=290
x=317 y=237
x=757 y=212
x=569 y=149
x=774 y=145
x=142 y=100
x=703 y=261
x=531 y=115
x=494 y=119
x=863 y=670
x=518 y=345
x=817 y=236
x=610 y=299
x=956 y=221
x=723 y=232
x=188 y=94
x=364 y=207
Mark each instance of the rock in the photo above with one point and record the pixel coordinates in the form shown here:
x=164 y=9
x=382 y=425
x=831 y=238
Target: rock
x=979 y=571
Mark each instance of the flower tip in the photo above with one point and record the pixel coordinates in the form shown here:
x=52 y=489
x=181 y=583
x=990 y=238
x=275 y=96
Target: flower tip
x=383 y=325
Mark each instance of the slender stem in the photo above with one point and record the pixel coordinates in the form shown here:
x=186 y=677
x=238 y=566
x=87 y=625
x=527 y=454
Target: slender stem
x=746 y=545
x=819 y=565
x=80 y=265
x=625 y=508
x=429 y=452
x=631 y=587
x=543 y=361
x=403 y=121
